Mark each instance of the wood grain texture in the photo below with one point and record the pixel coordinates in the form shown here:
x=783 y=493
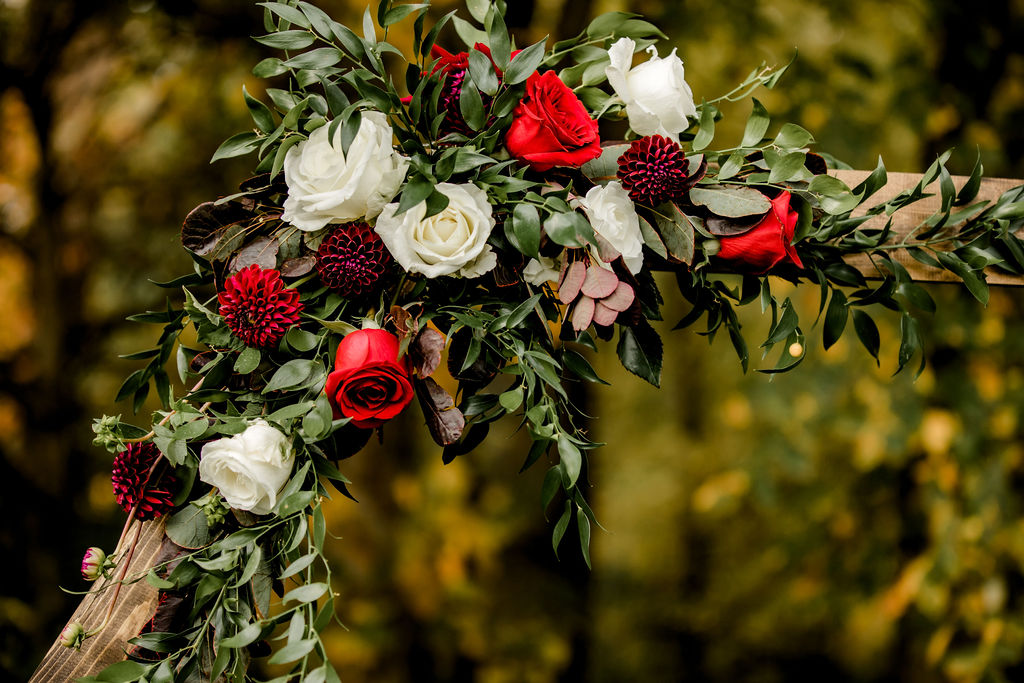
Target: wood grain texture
x=908 y=218
x=135 y=606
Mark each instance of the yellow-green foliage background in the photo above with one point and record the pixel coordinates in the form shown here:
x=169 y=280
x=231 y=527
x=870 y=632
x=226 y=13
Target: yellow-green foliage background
x=835 y=524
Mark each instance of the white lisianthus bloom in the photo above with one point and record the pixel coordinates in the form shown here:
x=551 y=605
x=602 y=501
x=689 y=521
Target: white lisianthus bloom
x=616 y=223
x=452 y=242
x=540 y=271
x=250 y=468
x=657 y=98
x=326 y=186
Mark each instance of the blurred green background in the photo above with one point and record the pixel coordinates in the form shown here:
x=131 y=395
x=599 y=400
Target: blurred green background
x=835 y=524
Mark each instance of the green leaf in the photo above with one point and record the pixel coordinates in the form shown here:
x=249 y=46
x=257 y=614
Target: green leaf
x=301 y=340
x=236 y=146
x=498 y=40
x=296 y=502
x=552 y=482
x=292 y=373
x=835 y=318
x=571 y=459
x=294 y=651
x=269 y=67
x=482 y=71
x=561 y=526
x=970 y=189
x=583 y=525
x=792 y=136
x=522 y=311
x=731 y=202
x=320 y=58
x=867 y=332
x=640 y=351
x=757 y=125
x=706 y=133
x=246 y=636
x=298 y=565
x=787 y=167
x=188 y=528
x=523 y=230
x=973 y=280
x=397 y=14
x=287 y=12
x=290 y=411
x=307 y=593
x=525 y=63
x=580 y=367
x=471 y=106
x=124 y=672
x=247 y=361
x=910 y=342
x=676 y=231
x=287 y=40
x=570 y=229
x=787 y=325
x=511 y=400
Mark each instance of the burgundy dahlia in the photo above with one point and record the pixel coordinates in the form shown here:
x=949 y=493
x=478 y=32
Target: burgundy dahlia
x=653 y=169
x=258 y=307
x=352 y=260
x=137 y=482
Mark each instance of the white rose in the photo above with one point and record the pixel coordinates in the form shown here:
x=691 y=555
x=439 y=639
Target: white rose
x=538 y=272
x=250 y=468
x=325 y=186
x=452 y=242
x=614 y=219
x=657 y=98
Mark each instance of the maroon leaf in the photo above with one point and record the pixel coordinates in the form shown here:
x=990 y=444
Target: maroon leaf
x=425 y=351
x=730 y=227
x=210 y=224
x=569 y=287
x=599 y=282
x=444 y=420
x=583 y=313
x=299 y=266
x=262 y=252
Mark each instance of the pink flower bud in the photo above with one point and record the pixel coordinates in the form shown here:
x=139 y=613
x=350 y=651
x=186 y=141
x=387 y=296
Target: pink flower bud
x=93 y=564
x=72 y=635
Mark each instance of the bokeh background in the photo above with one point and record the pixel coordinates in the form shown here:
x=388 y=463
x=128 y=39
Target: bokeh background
x=833 y=524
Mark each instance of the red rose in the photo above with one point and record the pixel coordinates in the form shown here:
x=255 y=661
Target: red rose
x=551 y=127
x=768 y=243
x=369 y=383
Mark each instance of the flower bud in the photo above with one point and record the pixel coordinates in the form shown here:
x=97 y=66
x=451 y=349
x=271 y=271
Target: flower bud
x=72 y=635
x=93 y=564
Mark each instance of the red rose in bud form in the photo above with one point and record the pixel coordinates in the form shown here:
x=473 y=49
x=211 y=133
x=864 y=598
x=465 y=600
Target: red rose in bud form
x=551 y=127
x=766 y=245
x=369 y=383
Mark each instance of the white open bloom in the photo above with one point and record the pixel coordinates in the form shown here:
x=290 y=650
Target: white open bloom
x=540 y=271
x=657 y=98
x=326 y=186
x=452 y=242
x=616 y=223
x=250 y=468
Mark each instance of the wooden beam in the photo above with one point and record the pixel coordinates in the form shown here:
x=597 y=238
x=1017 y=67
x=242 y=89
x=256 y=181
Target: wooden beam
x=908 y=218
x=135 y=606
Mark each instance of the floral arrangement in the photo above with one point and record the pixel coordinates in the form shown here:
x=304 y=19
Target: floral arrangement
x=464 y=205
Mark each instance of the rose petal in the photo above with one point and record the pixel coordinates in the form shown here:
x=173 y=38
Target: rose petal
x=599 y=282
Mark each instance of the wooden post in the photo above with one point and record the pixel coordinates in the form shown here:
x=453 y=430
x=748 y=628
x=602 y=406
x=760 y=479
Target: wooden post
x=135 y=606
x=907 y=218
x=138 y=600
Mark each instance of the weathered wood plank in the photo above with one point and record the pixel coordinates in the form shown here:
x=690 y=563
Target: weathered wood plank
x=135 y=606
x=908 y=218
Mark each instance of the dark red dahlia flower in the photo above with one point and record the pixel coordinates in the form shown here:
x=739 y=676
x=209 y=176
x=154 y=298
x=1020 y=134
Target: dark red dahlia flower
x=136 y=482
x=258 y=307
x=654 y=170
x=352 y=260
